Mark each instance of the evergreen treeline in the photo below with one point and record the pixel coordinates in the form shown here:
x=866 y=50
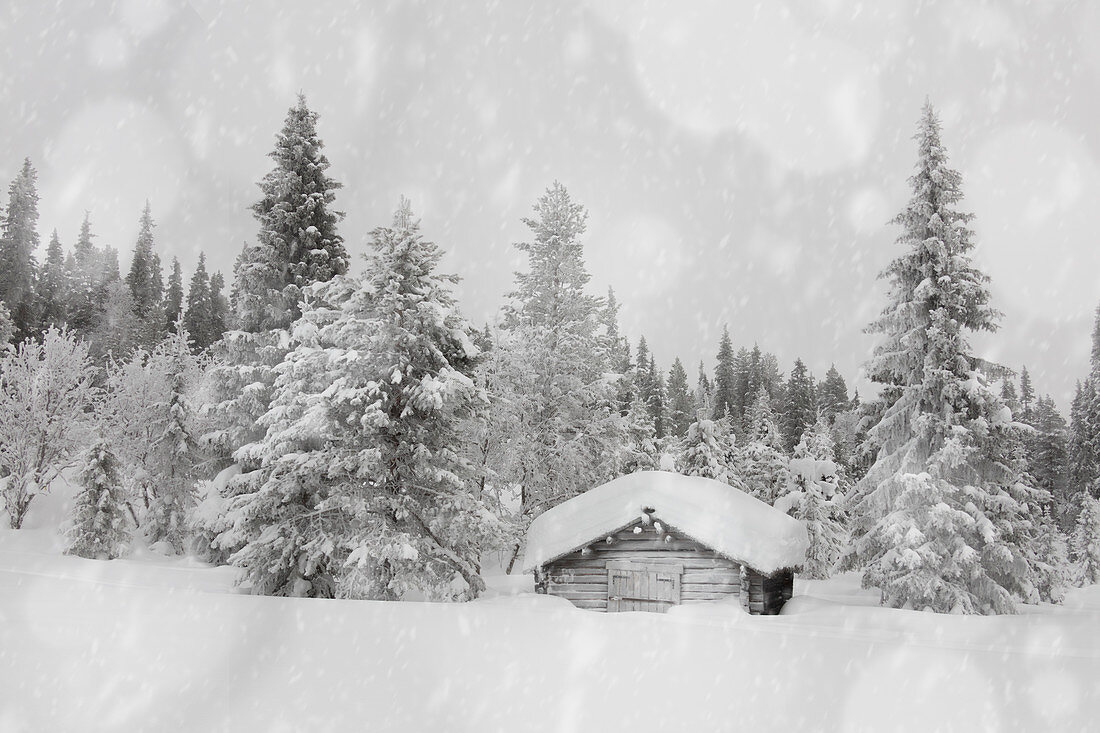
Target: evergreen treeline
x=347 y=435
x=86 y=292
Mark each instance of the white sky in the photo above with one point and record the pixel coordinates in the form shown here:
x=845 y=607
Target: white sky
x=739 y=164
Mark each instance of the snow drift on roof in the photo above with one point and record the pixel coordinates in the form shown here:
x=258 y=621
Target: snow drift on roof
x=721 y=517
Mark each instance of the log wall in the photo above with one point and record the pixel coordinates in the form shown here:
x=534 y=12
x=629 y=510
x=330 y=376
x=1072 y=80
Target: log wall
x=581 y=576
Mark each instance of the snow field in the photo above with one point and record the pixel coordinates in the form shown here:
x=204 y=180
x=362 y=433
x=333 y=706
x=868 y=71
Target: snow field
x=152 y=643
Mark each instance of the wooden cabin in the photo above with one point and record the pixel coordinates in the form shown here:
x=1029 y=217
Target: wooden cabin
x=654 y=539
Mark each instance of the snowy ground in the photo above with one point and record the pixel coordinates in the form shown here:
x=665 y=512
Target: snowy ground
x=154 y=643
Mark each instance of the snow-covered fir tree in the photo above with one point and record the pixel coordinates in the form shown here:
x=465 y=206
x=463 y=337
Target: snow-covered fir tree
x=198 y=315
x=815 y=494
x=118 y=329
x=45 y=389
x=618 y=354
x=173 y=297
x=219 y=307
x=799 y=405
x=173 y=495
x=1052 y=566
x=1010 y=398
x=18 y=242
x=1048 y=455
x=656 y=398
x=52 y=287
x=704 y=395
x=943 y=516
x=1085 y=543
x=146 y=283
x=706 y=451
x=639 y=451
x=366 y=491
x=1084 y=449
x=759 y=459
x=83 y=268
x=681 y=402
x=753 y=369
x=100 y=527
x=832 y=394
x=1027 y=395
x=567 y=430
x=7 y=328
x=822 y=516
x=298 y=244
x=724 y=400
x=1083 y=466
x=816 y=442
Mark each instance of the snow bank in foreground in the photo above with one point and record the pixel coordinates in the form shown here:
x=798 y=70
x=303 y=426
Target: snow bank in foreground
x=716 y=514
x=145 y=645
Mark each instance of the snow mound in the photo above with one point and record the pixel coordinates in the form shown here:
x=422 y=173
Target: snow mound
x=719 y=516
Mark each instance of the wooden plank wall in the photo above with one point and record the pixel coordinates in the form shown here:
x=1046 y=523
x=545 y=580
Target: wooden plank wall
x=582 y=577
x=767 y=594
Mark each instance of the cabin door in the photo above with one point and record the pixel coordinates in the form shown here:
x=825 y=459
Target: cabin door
x=642 y=587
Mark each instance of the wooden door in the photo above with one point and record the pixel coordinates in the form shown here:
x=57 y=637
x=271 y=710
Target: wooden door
x=642 y=587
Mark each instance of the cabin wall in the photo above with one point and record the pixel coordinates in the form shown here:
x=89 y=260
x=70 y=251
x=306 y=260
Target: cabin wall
x=581 y=576
x=767 y=594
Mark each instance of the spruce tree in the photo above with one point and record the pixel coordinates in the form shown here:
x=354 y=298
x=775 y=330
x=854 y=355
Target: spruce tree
x=146 y=283
x=7 y=328
x=366 y=492
x=298 y=244
x=1027 y=395
x=618 y=348
x=173 y=297
x=99 y=528
x=832 y=394
x=1083 y=462
x=52 y=287
x=936 y=528
x=1053 y=566
x=706 y=452
x=681 y=402
x=641 y=370
x=1010 y=398
x=118 y=330
x=800 y=407
x=647 y=383
x=198 y=317
x=1085 y=424
x=1048 y=456
x=1085 y=544
x=219 y=307
x=568 y=433
x=725 y=402
x=759 y=459
x=639 y=450
x=18 y=242
x=83 y=270
x=704 y=395
x=752 y=370
x=657 y=399
x=173 y=496
x=618 y=351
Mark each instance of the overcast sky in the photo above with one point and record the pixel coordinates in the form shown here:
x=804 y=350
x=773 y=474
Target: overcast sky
x=739 y=164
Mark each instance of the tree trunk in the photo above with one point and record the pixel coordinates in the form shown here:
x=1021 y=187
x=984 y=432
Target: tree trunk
x=512 y=562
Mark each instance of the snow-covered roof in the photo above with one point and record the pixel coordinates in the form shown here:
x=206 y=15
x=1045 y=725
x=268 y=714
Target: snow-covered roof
x=726 y=519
